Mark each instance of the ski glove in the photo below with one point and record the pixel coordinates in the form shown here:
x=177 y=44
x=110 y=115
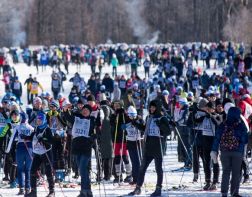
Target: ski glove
x=214 y=157
x=123 y=126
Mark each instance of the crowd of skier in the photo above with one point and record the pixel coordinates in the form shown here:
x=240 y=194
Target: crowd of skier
x=208 y=115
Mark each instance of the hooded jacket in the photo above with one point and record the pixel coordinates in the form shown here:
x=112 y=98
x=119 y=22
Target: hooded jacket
x=155 y=129
x=239 y=131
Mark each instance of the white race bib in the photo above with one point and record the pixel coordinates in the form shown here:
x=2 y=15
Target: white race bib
x=132 y=133
x=208 y=127
x=154 y=129
x=38 y=148
x=81 y=128
x=248 y=110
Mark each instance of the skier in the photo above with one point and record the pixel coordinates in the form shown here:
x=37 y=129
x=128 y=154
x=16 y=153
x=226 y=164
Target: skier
x=83 y=136
x=155 y=128
x=42 y=153
x=230 y=138
x=24 y=153
x=117 y=121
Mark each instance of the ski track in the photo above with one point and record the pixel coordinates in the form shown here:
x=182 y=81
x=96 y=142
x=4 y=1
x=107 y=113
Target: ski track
x=170 y=160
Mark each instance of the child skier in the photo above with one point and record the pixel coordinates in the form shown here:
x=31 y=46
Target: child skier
x=24 y=153
x=134 y=144
x=42 y=145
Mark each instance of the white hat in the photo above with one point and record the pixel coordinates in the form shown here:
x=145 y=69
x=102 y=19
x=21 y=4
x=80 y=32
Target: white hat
x=66 y=102
x=132 y=112
x=228 y=106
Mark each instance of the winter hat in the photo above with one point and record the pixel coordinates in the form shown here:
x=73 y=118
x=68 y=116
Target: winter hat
x=120 y=102
x=228 y=106
x=165 y=92
x=80 y=102
x=102 y=97
x=41 y=116
x=102 y=88
x=14 y=112
x=37 y=100
x=135 y=85
x=91 y=98
x=88 y=107
x=202 y=103
x=66 y=102
x=132 y=112
x=47 y=94
x=190 y=94
x=233 y=115
x=218 y=102
x=23 y=117
x=210 y=105
x=153 y=103
x=60 y=96
x=54 y=104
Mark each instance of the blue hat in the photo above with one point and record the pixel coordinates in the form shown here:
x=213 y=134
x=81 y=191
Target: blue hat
x=23 y=117
x=165 y=92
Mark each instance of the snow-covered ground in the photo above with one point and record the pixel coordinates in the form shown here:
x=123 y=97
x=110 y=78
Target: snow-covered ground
x=107 y=189
x=171 y=179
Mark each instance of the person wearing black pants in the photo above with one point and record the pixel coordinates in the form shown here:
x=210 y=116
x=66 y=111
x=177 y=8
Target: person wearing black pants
x=209 y=125
x=42 y=153
x=231 y=138
x=133 y=136
x=197 y=153
x=155 y=128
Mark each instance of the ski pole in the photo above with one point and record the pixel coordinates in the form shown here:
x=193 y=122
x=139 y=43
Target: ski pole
x=116 y=128
x=121 y=151
x=98 y=159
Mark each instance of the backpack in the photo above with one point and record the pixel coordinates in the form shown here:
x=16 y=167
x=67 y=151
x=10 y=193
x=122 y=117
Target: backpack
x=228 y=140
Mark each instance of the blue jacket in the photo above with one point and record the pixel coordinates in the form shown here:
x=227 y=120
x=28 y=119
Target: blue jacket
x=240 y=131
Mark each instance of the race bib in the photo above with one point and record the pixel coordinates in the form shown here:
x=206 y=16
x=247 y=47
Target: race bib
x=248 y=110
x=23 y=130
x=54 y=124
x=81 y=128
x=34 y=86
x=132 y=133
x=2 y=121
x=208 y=127
x=55 y=84
x=38 y=148
x=195 y=84
x=154 y=129
x=94 y=114
x=16 y=86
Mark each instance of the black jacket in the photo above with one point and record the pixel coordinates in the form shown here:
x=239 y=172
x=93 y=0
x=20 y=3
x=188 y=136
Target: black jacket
x=82 y=145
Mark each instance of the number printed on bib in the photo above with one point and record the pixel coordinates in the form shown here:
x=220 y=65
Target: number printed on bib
x=154 y=129
x=132 y=133
x=81 y=128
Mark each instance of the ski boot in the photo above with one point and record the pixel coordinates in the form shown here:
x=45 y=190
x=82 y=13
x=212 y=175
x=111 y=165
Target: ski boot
x=13 y=184
x=246 y=179
x=51 y=193
x=118 y=179
x=128 y=179
x=137 y=191
x=157 y=192
x=213 y=187
x=27 y=191
x=195 y=177
x=21 y=191
x=6 y=179
x=207 y=186
x=33 y=193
